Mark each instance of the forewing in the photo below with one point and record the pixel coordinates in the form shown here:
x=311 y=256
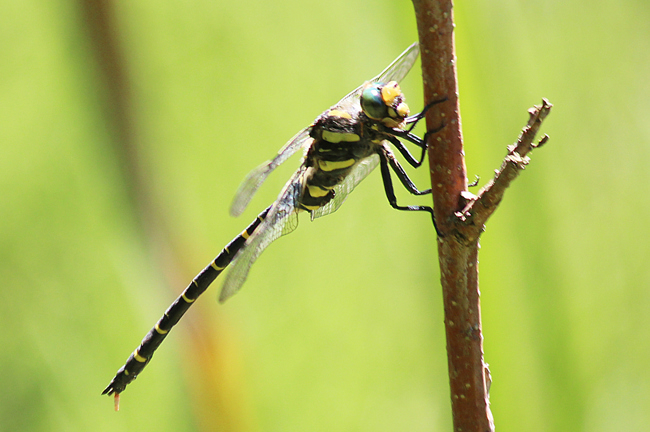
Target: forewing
x=396 y=71
x=342 y=190
x=255 y=178
x=281 y=219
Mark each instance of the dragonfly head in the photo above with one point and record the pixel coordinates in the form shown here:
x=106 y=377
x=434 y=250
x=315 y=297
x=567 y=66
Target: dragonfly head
x=384 y=103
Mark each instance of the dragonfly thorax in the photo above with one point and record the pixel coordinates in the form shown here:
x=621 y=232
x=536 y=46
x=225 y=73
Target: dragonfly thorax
x=338 y=146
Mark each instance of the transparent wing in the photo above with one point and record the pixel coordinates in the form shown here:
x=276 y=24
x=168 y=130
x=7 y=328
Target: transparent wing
x=281 y=219
x=396 y=71
x=400 y=67
x=342 y=190
x=255 y=178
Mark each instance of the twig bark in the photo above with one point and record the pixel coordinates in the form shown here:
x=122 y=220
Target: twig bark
x=461 y=215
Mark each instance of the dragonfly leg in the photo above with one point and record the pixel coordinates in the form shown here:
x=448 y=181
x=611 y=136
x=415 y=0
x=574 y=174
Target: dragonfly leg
x=414 y=119
x=387 y=161
x=415 y=163
x=402 y=176
x=412 y=138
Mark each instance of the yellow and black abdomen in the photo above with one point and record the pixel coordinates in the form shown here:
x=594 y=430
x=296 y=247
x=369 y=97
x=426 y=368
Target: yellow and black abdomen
x=338 y=146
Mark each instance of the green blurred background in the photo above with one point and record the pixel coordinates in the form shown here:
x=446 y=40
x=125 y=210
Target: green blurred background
x=117 y=168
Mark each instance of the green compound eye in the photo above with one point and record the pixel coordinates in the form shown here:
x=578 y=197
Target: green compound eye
x=372 y=103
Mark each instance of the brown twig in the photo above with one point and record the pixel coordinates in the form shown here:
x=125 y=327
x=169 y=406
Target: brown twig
x=480 y=208
x=461 y=215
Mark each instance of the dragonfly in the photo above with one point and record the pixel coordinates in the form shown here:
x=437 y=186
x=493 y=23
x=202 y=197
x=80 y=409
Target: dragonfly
x=341 y=147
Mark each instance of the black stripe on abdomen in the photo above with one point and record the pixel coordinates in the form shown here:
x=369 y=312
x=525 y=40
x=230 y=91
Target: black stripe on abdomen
x=142 y=355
